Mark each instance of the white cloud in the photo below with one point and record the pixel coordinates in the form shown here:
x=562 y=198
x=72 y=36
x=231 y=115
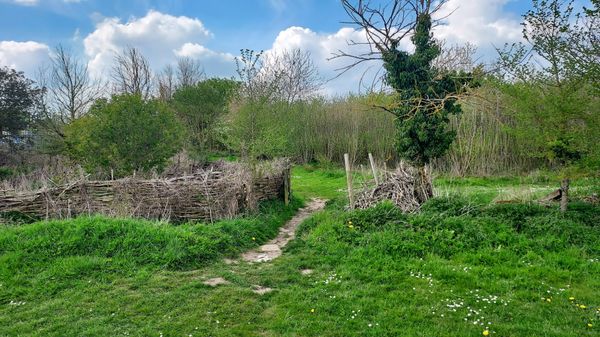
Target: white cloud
x=214 y=63
x=23 y=56
x=160 y=37
x=322 y=47
x=26 y=2
x=482 y=23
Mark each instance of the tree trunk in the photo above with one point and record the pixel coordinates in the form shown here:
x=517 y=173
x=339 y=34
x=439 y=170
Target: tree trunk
x=424 y=187
x=564 y=195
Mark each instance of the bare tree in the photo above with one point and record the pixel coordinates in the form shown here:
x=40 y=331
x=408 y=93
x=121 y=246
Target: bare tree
x=189 y=71
x=289 y=75
x=297 y=75
x=256 y=82
x=166 y=83
x=70 y=88
x=68 y=92
x=385 y=25
x=456 y=58
x=131 y=73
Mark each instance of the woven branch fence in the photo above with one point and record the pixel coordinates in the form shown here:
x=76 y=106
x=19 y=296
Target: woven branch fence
x=205 y=195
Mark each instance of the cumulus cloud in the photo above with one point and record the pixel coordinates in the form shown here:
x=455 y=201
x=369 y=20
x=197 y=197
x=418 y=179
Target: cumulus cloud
x=322 y=47
x=160 y=37
x=482 y=23
x=23 y=56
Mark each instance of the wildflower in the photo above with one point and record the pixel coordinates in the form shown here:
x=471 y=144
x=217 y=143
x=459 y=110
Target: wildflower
x=582 y=306
x=349 y=222
x=312 y=310
x=571 y=298
x=253 y=239
x=486 y=332
x=548 y=300
x=590 y=325
x=351 y=226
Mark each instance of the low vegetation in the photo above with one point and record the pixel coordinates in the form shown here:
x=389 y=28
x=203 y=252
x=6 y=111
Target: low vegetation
x=463 y=265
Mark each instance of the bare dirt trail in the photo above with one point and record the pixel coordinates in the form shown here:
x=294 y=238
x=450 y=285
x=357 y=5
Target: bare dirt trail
x=272 y=249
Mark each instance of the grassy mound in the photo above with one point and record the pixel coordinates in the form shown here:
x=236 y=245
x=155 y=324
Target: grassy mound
x=49 y=256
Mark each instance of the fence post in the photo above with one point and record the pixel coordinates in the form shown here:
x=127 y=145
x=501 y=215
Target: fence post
x=286 y=186
x=373 y=168
x=349 y=179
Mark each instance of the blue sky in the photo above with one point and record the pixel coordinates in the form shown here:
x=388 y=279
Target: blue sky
x=214 y=31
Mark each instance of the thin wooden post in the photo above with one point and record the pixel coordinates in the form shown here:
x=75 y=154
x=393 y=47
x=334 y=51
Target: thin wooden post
x=373 y=168
x=286 y=186
x=349 y=179
x=564 y=195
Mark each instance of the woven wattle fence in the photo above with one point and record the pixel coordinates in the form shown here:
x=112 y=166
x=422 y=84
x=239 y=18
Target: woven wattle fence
x=205 y=195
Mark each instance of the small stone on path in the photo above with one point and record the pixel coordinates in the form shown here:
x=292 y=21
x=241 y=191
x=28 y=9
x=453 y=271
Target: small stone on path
x=270 y=248
x=217 y=281
x=261 y=290
x=230 y=261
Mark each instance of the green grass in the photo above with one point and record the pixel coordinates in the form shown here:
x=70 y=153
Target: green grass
x=375 y=273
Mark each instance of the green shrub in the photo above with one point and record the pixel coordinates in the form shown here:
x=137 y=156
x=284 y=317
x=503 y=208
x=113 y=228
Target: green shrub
x=125 y=134
x=453 y=205
x=445 y=229
x=383 y=214
x=5 y=173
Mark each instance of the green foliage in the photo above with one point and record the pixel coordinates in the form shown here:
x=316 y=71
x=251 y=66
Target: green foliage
x=120 y=246
x=18 y=97
x=426 y=99
x=125 y=134
x=200 y=107
x=5 y=172
x=259 y=129
x=401 y=276
x=552 y=82
x=553 y=123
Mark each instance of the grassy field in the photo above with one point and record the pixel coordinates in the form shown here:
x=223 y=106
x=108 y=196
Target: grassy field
x=464 y=266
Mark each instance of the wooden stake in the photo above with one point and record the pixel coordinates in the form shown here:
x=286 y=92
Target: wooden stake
x=349 y=179
x=564 y=195
x=286 y=186
x=373 y=168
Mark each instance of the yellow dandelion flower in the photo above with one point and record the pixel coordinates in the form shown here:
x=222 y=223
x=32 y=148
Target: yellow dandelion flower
x=486 y=332
x=582 y=306
x=571 y=298
x=253 y=239
x=349 y=222
x=312 y=310
x=590 y=325
x=350 y=226
x=548 y=300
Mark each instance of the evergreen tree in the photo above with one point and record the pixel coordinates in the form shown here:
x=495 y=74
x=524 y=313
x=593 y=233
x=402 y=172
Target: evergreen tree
x=426 y=98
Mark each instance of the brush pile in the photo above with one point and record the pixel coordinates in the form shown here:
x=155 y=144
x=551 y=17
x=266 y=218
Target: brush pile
x=406 y=187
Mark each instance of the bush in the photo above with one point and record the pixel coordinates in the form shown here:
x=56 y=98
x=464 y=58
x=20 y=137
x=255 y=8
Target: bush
x=200 y=107
x=445 y=229
x=5 y=173
x=125 y=134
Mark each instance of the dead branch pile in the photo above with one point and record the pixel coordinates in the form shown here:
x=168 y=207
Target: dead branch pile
x=404 y=187
x=207 y=194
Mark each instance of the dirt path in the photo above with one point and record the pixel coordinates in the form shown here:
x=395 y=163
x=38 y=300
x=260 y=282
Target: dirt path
x=272 y=249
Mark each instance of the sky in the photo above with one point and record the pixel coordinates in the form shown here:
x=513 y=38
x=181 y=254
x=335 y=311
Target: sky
x=214 y=31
